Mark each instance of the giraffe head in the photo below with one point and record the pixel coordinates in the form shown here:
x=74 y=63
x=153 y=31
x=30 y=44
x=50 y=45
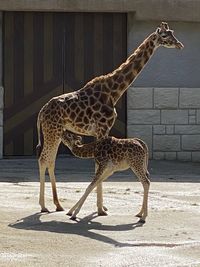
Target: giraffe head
x=166 y=38
x=70 y=139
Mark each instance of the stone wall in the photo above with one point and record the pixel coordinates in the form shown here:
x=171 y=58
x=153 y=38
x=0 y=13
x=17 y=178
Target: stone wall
x=168 y=119
x=168 y=67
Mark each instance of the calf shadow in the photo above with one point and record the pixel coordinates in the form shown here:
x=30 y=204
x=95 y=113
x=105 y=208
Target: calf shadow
x=83 y=227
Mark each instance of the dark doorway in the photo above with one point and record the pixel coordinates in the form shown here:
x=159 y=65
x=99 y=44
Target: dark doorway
x=47 y=54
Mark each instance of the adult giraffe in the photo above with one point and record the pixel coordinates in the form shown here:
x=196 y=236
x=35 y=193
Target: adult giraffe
x=91 y=110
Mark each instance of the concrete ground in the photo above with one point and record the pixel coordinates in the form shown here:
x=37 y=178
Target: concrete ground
x=170 y=236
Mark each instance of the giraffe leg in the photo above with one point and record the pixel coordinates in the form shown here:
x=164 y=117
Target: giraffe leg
x=99 y=177
x=46 y=160
x=143 y=211
x=101 y=132
x=76 y=208
x=100 y=208
x=143 y=178
x=146 y=185
x=51 y=166
x=53 y=185
x=42 y=169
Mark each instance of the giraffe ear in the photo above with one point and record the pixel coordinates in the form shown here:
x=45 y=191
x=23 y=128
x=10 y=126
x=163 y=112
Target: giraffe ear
x=78 y=140
x=158 y=30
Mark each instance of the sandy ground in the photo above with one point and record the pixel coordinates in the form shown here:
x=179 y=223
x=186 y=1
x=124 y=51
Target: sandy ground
x=170 y=236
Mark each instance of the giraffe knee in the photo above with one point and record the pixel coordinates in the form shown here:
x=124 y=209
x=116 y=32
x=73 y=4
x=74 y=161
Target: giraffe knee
x=146 y=182
x=42 y=160
x=148 y=175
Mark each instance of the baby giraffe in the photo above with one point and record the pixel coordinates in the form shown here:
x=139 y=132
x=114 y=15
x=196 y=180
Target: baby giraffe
x=111 y=155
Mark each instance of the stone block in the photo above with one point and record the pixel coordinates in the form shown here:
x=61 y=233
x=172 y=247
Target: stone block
x=169 y=129
x=1 y=97
x=166 y=143
x=159 y=129
x=1 y=118
x=170 y=155
x=187 y=129
x=198 y=116
x=189 y=98
x=192 y=119
x=191 y=142
x=166 y=98
x=192 y=111
x=196 y=156
x=143 y=132
x=143 y=117
x=174 y=117
x=140 y=98
x=139 y=131
x=158 y=155
x=184 y=156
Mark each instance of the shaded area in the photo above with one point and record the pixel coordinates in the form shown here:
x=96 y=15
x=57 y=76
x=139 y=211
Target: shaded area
x=85 y=228
x=71 y=169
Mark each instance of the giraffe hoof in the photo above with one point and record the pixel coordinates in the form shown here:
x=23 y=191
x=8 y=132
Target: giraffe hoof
x=141 y=221
x=45 y=210
x=104 y=207
x=102 y=213
x=69 y=213
x=73 y=218
x=59 y=208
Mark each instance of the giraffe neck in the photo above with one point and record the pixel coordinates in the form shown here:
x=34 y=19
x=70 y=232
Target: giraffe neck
x=120 y=79
x=83 y=151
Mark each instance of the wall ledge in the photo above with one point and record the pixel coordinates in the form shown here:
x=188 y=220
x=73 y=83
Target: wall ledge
x=178 y=10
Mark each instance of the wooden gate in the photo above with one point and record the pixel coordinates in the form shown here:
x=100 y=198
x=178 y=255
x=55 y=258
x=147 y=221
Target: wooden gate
x=47 y=54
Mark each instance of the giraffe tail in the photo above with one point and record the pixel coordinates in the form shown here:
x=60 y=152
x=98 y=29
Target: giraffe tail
x=39 y=145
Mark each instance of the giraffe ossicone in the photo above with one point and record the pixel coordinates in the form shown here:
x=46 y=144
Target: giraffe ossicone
x=91 y=110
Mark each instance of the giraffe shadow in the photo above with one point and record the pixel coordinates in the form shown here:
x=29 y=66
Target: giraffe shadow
x=81 y=227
